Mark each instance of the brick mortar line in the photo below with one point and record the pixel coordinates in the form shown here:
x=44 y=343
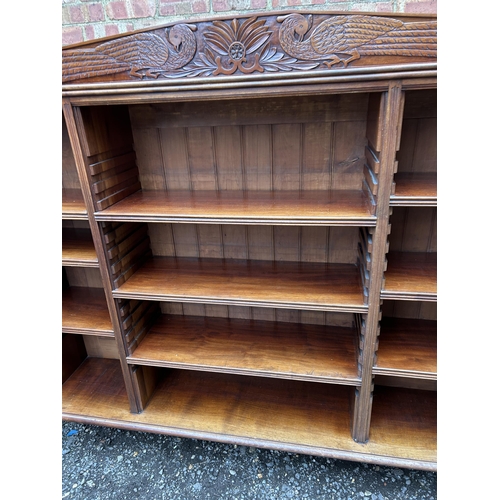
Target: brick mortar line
x=397 y=6
x=124 y=25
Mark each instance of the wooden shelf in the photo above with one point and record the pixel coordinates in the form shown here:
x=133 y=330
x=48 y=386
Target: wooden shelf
x=343 y=207
x=263 y=348
x=411 y=276
x=407 y=348
x=312 y=286
x=84 y=310
x=295 y=416
x=95 y=392
x=415 y=189
x=73 y=205
x=405 y=420
x=78 y=248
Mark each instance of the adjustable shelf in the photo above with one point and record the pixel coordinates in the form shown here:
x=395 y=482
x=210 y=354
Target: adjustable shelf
x=78 y=248
x=415 y=183
x=315 y=353
x=407 y=348
x=255 y=222
x=343 y=207
x=73 y=205
x=411 y=276
x=415 y=189
x=412 y=259
x=315 y=286
x=84 y=310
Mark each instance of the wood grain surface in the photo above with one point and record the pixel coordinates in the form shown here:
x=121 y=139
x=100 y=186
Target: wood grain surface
x=415 y=189
x=408 y=348
x=411 y=276
x=300 y=417
x=272 y=349
x=78 y=248
x=73 y=206
x=307 y=285
x=344 y=207
x=84 y=310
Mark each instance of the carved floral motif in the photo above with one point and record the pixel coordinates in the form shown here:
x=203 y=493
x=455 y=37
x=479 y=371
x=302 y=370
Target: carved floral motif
x=246 y=46
x=233 y=43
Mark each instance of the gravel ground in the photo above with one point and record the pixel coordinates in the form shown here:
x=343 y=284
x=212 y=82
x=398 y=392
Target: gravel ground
x=105 y=463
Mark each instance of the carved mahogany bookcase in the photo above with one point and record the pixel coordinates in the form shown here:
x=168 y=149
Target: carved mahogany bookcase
x=249 y=233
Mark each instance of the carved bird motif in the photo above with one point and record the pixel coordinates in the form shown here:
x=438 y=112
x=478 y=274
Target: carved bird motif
x=354 y=36
x=145 y=52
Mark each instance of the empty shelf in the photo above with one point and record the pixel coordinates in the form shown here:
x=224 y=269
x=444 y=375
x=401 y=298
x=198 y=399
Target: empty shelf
x=73 y=205
x=411 y=276
x=296 y=285
x=294 y=416
x=407 y=348
x=272 y=349
x=84 y=310
x=343 y=207
x=78 y=248
x=415 y=189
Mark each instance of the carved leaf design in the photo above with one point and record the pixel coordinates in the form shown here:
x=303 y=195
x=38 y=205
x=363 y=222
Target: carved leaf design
x=215 y=42
x=234 y=26
x=272 y=60
x=208 y=58
x=247 y=25
x=256 y=39
x=206 y=68
x=252 y=34
x=224 y=31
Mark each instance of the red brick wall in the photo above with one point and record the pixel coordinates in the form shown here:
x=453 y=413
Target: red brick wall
x=90 y=19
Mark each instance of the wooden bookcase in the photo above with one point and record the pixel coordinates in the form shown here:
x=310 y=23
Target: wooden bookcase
x=249 y=233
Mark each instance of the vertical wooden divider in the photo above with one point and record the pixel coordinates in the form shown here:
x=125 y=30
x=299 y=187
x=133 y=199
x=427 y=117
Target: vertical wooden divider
x=74 y=136
x=388 y=131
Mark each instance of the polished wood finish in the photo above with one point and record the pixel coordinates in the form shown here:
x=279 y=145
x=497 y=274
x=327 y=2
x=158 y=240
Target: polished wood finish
x=415 y=189
x=330 y=287
x=296 y=416
x=411 y=276
x=407 y=418
x=96 y=389
x=73 y=205
x=407 y=348
x=343 y=207
x=78 y=248
x=246 y=347
x=263 y=209
x=84 y=310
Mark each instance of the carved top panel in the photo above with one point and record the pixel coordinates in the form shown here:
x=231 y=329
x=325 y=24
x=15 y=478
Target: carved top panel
x=291 y=42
